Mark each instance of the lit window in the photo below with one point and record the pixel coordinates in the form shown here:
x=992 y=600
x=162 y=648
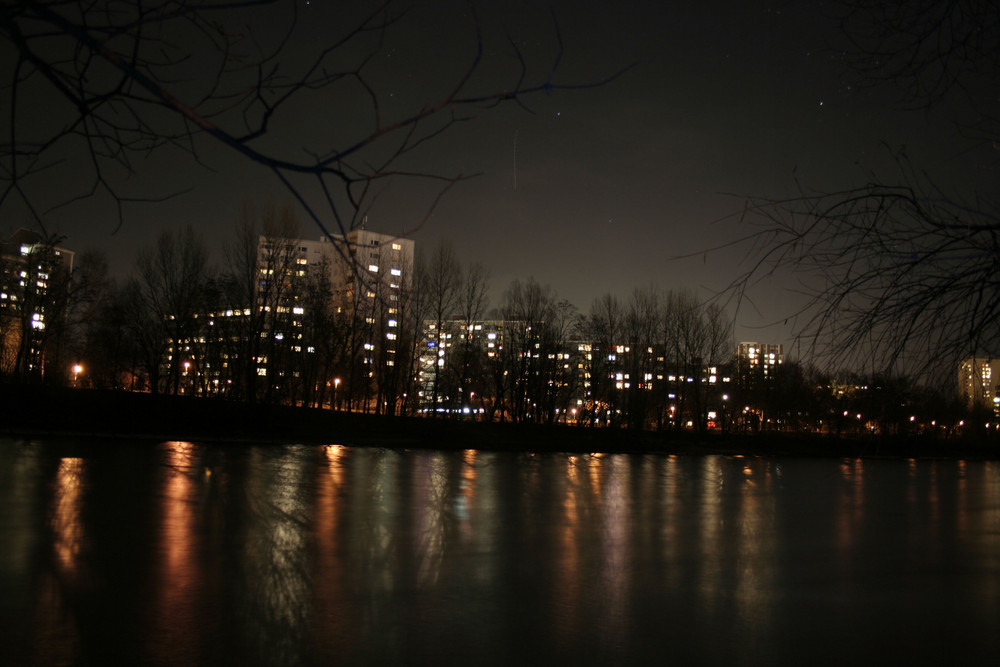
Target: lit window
x=396 y=246
x=396 y=272
x=373 y=268
x=392 y=323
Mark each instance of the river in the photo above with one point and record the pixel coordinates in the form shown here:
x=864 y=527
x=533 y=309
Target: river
x=181 y=553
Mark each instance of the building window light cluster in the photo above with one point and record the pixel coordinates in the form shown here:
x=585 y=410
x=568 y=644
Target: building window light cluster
x=396 y=272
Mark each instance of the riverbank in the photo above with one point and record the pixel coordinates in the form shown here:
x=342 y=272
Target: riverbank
x=61 y=412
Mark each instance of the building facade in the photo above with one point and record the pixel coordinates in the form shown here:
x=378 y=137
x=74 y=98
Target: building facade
x=323 y=326
x=756 y=362
x=34 y=293
x=512 y=370
x=979 y=382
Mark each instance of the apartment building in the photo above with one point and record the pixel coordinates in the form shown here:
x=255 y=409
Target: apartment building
x=34 y=282
x=756 y=362
x=979 y=382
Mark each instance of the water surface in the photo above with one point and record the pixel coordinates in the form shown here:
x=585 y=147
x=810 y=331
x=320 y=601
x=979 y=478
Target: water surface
x=185 y=553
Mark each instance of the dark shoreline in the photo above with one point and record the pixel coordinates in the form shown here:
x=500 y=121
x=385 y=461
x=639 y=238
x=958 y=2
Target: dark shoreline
x=30 y=411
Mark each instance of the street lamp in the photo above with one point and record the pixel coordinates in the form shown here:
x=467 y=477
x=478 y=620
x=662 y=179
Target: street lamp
x=77 y=369
x=336 y=385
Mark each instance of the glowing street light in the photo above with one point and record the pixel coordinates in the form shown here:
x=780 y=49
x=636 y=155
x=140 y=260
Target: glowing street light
x=77 y=369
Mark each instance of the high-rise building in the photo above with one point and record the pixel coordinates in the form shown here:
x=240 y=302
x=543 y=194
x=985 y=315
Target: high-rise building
x=756 y=362
x=365 y=275
x=322 y=325
x=34 y=289
x=979 y=381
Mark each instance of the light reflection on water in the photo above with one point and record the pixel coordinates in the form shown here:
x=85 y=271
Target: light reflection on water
x=184 y=553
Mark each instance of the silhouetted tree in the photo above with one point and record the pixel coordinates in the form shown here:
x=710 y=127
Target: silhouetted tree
x=119 y=84
x=172 y=274
x=472 y=306
x=92 y=288
x=440 y=276
x=602 y=328
x=900 y=273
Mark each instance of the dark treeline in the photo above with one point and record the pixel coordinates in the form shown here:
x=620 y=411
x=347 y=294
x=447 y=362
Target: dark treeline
x=658 y=359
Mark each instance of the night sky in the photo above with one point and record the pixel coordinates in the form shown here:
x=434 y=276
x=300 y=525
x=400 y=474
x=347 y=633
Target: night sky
x=594 y=190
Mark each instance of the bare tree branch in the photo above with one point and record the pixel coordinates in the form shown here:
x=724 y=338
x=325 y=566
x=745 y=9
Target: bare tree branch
x=135 y=78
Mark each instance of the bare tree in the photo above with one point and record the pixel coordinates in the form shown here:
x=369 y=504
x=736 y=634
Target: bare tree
x=602 y=328
x=171 y=277
x=91 y=288
x=440 y=278
x=925 y=49
x=120 y=82
x=472 y=305
x=899 y=275
x=529 y=309
x=640 y=334
x=684 y=335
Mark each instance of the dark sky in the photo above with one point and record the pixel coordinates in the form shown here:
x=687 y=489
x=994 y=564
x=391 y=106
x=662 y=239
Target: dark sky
x=595 y=190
